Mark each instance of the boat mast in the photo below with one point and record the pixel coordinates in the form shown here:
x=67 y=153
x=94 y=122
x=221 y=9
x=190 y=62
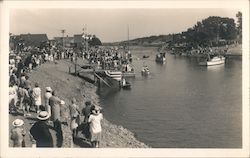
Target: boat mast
x=128 y=37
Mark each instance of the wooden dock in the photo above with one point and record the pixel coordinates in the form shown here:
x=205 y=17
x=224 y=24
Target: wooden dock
x=82 y=70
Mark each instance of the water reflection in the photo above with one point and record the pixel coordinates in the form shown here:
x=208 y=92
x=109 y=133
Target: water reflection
x=204 y=102
x=216 y=68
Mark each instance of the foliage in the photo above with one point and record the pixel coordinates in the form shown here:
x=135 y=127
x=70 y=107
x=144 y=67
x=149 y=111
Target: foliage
x=95 y=41
x=212 y=29
x=239 y=23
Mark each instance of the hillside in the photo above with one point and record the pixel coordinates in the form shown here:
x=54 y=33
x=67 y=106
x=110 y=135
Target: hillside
x=67 y=87
x=146 y=41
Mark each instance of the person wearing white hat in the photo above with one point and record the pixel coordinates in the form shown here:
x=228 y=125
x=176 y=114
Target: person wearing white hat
x=47 y=95
x=40 y=131
x=18 y=133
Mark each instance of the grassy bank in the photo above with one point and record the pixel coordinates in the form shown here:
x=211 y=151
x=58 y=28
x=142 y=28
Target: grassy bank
x=67 y=87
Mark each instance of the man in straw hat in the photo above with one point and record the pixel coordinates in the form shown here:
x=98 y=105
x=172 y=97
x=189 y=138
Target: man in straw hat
x=18 y=133
x=95 y=126
x=40 y=131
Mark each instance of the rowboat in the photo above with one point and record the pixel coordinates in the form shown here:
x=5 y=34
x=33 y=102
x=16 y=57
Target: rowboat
x=145 y=71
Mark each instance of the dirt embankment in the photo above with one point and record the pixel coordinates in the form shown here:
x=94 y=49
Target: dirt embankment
x=68 y=86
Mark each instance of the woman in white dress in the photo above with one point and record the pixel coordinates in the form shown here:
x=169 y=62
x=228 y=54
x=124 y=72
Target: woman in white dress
x=36 y=94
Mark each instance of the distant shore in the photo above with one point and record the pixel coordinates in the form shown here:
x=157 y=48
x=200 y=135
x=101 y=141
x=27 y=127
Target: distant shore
x=69 y=86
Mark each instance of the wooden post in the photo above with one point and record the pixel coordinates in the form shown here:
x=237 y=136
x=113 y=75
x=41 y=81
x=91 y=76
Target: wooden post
x=75 y=64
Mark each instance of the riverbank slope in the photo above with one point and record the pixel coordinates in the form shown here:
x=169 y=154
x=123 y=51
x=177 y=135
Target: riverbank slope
x=68 y=86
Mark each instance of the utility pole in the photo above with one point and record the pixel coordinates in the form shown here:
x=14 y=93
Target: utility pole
x=128 y=38
x=63 y=31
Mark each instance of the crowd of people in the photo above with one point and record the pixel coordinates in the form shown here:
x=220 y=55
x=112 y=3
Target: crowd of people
x=26 y=99
x=110 y=58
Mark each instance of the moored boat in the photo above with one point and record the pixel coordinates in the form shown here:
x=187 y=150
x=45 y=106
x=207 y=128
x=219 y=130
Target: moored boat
x=216 y=60
x=128 y=71
x=160 y=57
x=145 y=71
x=128 y=74
x=115 y=75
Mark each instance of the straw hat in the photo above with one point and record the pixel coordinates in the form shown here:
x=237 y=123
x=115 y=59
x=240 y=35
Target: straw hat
x=43 y=115
x=62 y=102
x=17 y=123
x=48 y=89
x=96 y=110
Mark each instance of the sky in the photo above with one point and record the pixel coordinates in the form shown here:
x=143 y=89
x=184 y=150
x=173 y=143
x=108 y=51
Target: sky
x=110 y=25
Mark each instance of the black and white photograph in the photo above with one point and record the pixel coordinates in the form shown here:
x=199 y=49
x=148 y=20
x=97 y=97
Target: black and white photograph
x=122 y=76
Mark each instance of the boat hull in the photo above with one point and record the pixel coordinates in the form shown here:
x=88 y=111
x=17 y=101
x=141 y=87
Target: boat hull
x=115 y=75
x=215 y=61
x=128 y=74
x=160 y=60
x=145 y=73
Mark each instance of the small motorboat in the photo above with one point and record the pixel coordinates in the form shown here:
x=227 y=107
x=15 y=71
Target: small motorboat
x=125 y=84
x=145 y=71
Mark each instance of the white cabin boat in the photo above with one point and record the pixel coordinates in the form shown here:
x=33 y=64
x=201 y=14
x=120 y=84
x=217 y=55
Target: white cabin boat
x=216 y=60
x=116 y=75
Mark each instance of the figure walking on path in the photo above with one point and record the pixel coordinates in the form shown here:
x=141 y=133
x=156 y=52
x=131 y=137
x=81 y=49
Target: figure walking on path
x=24 y=100
x=36 y=94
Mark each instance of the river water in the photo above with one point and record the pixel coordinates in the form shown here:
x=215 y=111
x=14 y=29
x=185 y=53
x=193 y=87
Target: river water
x=180 y=104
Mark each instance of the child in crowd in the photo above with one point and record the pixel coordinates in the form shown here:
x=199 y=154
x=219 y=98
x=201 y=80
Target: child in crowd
x=18 y=133
x=95 y=127
x=75 y=117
